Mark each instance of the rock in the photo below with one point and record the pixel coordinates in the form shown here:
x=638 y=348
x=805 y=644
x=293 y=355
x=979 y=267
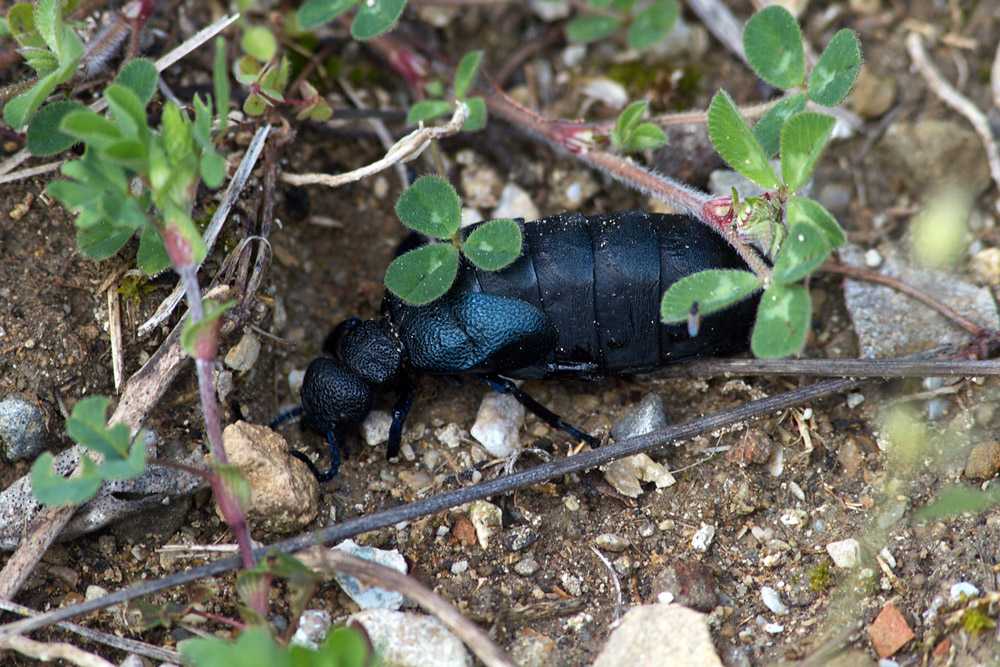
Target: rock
x=550 y=10
x=983 y=461
x=488 y=520
x=627 y=474
x=481 y=185
x=314 y=624
x=403 y=639
x=845 y=553
x=889 y=631
x=772 y=600
x=242 y=356
x=927 y=154
x=371 y=597
x=519 y=537
x=375 y=427
x=872 y=94
x=606 y=91
x=573 y=188
x=498 y=423
x=691 y=584
x=284 y=495
x=985 y=266
x=526 y=566
x=645 y=417
x=703 y=537
x=962 y=588
x=660 y=634
x=449 y=435
x=463 y=530
x=533 y=649
x=890 y=324
x=611 y=542
x=22 y=429
x=515 y=203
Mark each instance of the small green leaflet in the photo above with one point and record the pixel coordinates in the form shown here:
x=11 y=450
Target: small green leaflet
x=466 y=72
x=836 y=70
x=811 y=211
x=711 y=290
x=804 y=250
x=430 y=206
x=767 y=130
x=803 y=139
x=375 y=17
x=494 y=245
x=592 y=28
x=736 y=144
x=783 y=318
x=772 y=42
x=424 y=274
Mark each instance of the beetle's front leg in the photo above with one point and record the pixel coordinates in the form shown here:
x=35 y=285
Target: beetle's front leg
x=506 y=386
x=333 y=437
x=399 y=411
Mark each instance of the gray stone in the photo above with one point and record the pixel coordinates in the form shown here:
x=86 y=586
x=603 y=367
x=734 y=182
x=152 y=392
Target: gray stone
x=314 y=624
x=22 y=429
x=891 y=324
x=487 y=519
x=845 y=553
x=611 y=542
x=498 y=423
x=371 y=597
x=773 y=601
x=691 y=584
x=927 y=154
x=660 y=634
x=526 y=567
x=242 y=356
x=375 y=427
x=646 y=417
x=411 y=640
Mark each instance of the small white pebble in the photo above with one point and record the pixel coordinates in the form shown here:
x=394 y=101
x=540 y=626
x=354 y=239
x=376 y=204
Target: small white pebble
x=887 y=556
x=702 y=539
x=960 y=589
x=873 y=259
x=855 y=399
x=772 y=600
x=774 y=628
x=845 y=553
x=458 y=567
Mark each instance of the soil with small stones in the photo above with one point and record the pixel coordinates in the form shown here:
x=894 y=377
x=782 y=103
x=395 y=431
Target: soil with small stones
x=825 y=476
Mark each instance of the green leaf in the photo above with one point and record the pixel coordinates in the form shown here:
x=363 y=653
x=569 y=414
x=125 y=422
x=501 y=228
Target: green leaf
x=246 y=70
x=426 y=110
x=430 y=206
x=19 y=110
x=767 y=131
x=97 y=173
x=52 y=489
x=477 y=114
x=803 y=139
x=86 y=425
x=773 y=44
x=315 y=13
x=466 y=72
x=128 y=153
x=375 y=17
x=201 y=129
x=494 y=245
x=652 y=24
x=259 y=42
x=152 y=256
x=141 y=77
x=736 y=144
x=42 y=61
x=627 y=121
x=21 y=22
x=783 y=319
x=708 y=290
x=102 y=240
x=123 y=211
x=592 y=28
x=78 y=198
x=128 y=468
x=176 y=133
x=954 y=500
x=812 y=212
x=44 y=136
x=254 y=105
x=836 y=70
x=804 y=249
x=91 y=128
x=212 y=168
x=220 y=84
x=48 y=22
x=129 y=112
x=645 y=137
x=252 y=647
x=424 y=274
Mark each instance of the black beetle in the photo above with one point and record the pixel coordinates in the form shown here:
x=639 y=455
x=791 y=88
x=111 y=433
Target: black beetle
x=582 y=300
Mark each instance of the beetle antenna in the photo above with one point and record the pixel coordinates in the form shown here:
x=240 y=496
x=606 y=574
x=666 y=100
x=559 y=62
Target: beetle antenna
x=286 y=415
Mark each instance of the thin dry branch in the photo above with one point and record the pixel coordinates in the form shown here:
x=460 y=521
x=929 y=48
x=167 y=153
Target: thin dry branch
x=408 y=148
x=50 y=651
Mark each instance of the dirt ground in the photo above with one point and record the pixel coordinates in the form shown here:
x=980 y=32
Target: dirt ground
x=772 y=521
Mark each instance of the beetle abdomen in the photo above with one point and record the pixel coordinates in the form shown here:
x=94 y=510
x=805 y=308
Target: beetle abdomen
x=600 y=280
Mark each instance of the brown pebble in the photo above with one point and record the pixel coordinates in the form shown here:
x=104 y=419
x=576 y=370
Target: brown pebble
x=464 y=531
x=692 y=584
x=889 y=631
x=754 y=446
x=983 y=461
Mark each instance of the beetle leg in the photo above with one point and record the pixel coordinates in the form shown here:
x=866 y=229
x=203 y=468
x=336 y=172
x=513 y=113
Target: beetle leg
x=505 y=386
x=332 y=437
x=399 y=411
x=285 y=416
x=332 y=343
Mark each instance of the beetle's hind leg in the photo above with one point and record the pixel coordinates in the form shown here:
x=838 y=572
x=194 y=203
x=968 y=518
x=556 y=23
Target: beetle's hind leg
x=285 y=416
x=505 y=386
x=332 y=437
x=399 y=411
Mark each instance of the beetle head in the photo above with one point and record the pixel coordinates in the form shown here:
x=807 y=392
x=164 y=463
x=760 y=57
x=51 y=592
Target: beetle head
x=334 y=395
